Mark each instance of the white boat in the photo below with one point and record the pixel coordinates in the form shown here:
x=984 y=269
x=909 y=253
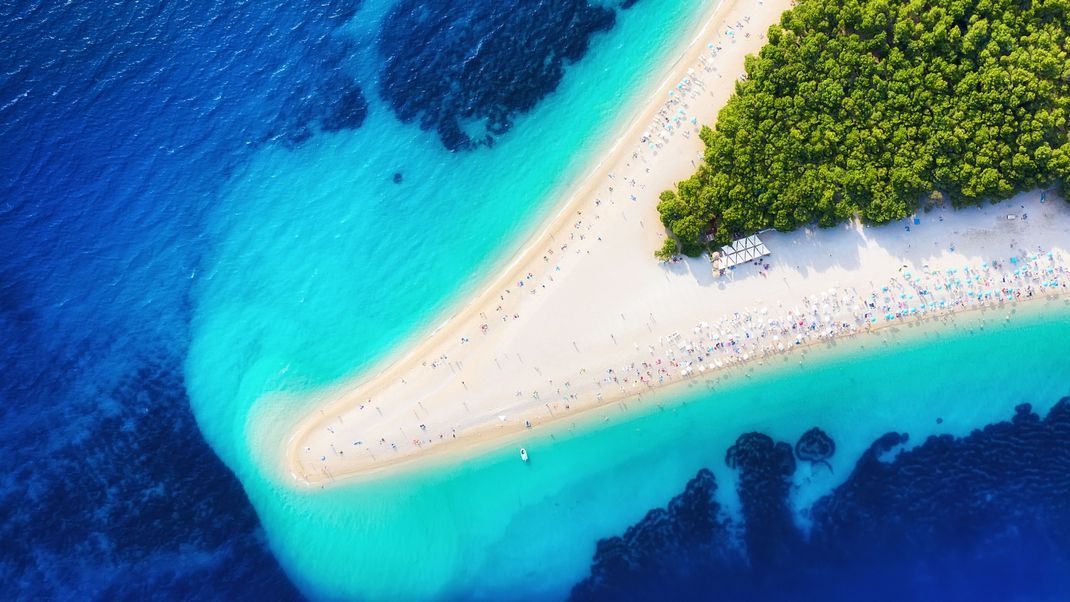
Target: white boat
x=523 y=454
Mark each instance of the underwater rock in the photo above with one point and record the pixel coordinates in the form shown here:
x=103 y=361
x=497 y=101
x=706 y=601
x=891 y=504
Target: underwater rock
x=674 y=543
x=348 y=111
x=815 y=447
x=480 y=64
x=757 y=452
x=139 y=502
x=980 y=517
x=765 y=467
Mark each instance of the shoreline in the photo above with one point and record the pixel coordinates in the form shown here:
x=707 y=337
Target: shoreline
x=498 y=269
x=504 y=268
x=678 y=392
x=488 y=434
x=457 y=383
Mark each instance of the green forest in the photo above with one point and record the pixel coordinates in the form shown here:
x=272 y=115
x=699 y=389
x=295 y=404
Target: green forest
x=870 y=108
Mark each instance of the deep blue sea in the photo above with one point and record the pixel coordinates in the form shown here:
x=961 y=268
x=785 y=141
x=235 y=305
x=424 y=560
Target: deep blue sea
x=203 y=204
x=118 y=123
x=138 y=141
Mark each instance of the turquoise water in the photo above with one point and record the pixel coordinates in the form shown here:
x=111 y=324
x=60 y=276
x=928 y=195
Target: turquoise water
x=318 y=263
x=174 y=211
x=494 y=527
x=324 y=261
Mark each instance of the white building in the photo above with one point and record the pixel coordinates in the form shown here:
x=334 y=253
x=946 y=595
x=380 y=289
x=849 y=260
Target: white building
x=741 y=251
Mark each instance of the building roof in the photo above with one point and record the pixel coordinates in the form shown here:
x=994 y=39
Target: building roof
x=741 y=251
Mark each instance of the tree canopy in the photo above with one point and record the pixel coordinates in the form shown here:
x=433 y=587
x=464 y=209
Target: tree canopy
x=864 y=107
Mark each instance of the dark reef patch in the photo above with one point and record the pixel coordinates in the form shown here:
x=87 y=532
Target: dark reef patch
x=981 y=517
x=765 y=468
x=348 y=110
x=123 y=125
x=334 y=104
x=815 y=447
x=465 y=70
x=673 y=546
x=136 y=506
x=326 y=98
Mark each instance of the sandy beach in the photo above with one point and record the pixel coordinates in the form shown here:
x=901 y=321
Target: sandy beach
x=585 y=316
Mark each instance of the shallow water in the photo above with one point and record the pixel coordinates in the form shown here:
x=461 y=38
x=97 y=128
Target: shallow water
x=319 y=260
x=494 y=527
x=205 y=194
x=242 y=199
